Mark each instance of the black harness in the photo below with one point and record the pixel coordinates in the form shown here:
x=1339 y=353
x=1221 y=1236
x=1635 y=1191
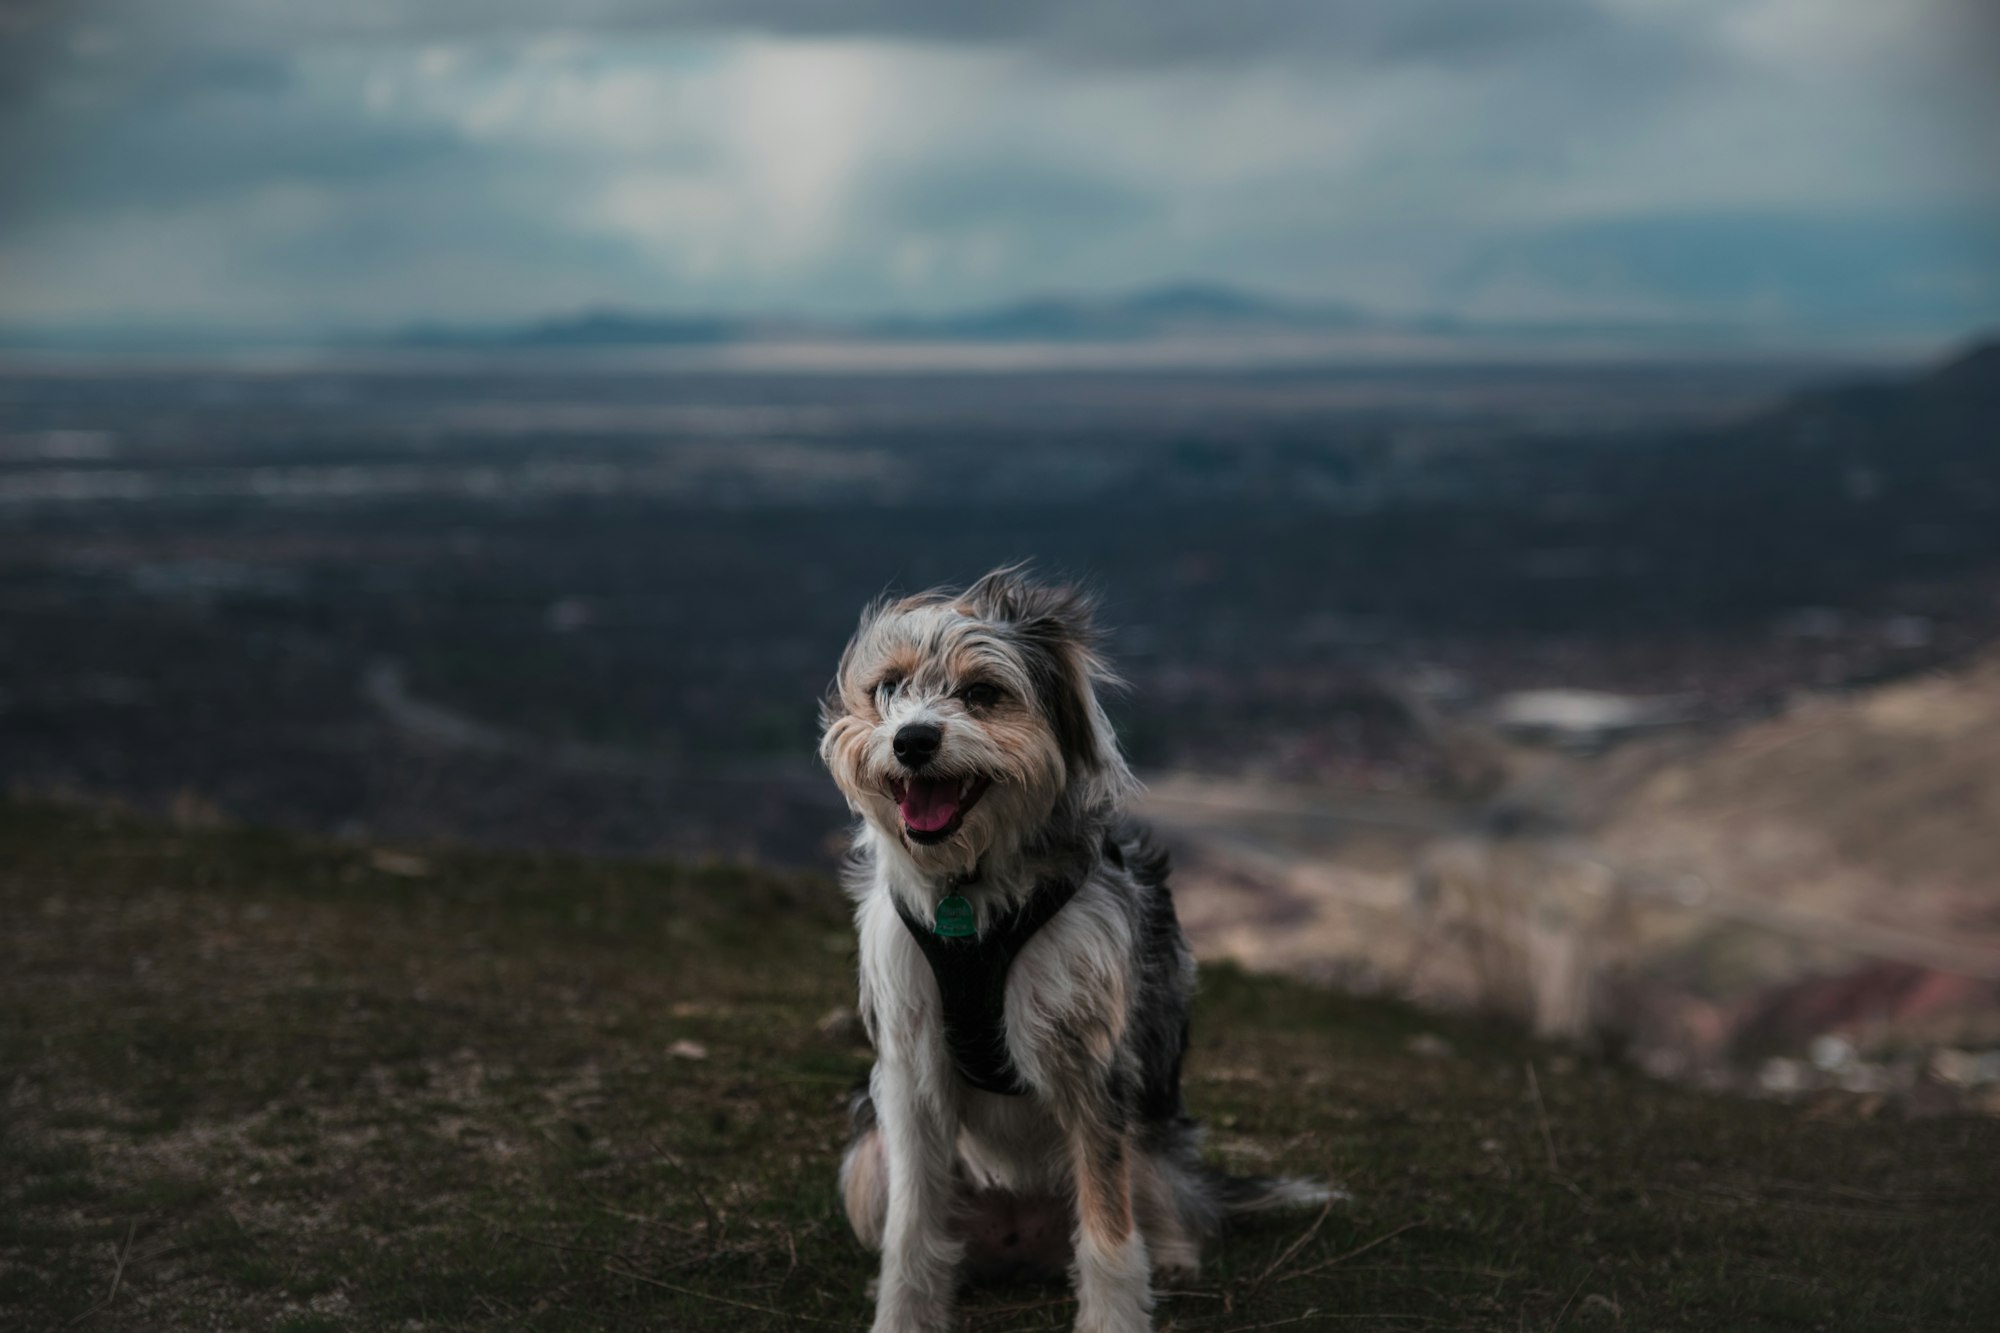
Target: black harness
x=971 y=973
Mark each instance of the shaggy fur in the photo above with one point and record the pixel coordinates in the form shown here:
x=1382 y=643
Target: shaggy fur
x=965 y=731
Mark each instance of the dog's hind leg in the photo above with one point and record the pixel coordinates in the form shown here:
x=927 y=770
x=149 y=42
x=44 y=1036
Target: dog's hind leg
x=864 y=1176
x=1160 y=1205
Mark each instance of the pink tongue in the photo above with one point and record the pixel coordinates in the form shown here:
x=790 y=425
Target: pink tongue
x=928 y=805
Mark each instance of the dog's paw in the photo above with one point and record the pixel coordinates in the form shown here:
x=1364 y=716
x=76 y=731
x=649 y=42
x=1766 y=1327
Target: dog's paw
x=1114 y=1291
x=912 y=1315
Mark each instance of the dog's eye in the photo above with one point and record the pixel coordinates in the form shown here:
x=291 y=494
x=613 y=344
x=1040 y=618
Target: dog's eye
x=980 y=695
x=887 y=688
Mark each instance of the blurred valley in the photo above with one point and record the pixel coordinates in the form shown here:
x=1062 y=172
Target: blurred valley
x=1651 y=700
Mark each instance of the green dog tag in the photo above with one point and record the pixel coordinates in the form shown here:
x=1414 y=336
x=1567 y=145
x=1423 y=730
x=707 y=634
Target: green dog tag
x=954 y=918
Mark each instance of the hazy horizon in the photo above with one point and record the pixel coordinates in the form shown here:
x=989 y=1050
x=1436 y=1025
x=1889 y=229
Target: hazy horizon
x=1037 y=332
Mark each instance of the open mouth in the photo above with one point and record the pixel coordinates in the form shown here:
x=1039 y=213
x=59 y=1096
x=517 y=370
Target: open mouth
x=934 y=808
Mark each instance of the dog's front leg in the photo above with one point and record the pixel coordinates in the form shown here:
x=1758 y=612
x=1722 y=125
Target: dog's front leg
x=1114 y=1289
x=920 y=1252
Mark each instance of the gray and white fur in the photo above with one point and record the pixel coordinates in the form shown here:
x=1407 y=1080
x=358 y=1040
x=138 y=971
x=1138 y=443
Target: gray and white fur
x=977 y=715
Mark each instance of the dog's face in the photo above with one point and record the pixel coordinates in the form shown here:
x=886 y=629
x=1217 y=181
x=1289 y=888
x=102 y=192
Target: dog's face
x=958 y=725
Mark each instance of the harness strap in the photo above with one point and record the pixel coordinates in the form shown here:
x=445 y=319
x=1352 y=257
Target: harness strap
x=971 y=973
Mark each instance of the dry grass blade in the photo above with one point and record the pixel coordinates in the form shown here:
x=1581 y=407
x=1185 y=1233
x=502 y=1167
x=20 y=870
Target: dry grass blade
x=712 y=1298
x=701 y=1195
x=526 y=1239
x=626 y=1215
x=1322 y=1316
x=117 y=1275
x=1564 y=1312
x=1542 y=1118
x=1355 y=1253
x=1304 y=1238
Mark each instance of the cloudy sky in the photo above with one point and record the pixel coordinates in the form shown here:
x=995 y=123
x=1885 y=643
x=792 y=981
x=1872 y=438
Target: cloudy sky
x=360 y=163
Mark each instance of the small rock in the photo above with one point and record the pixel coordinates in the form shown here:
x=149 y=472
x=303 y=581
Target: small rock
x=688 y=1050
x=1783 y=1076
x=1430 y=1046
x=399 y=863
x=1831 y=1052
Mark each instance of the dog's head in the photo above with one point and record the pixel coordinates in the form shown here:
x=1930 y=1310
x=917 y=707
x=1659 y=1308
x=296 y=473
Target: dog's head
x=961 y=724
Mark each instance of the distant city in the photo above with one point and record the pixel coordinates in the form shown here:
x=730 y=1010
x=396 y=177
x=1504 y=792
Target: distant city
x=592 y=602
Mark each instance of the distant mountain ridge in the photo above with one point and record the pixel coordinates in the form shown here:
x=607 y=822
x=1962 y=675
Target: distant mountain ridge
x=1183 y=315
x=1185 y=312
x=1188 y=308
x=592 y=328
x=1155 y=312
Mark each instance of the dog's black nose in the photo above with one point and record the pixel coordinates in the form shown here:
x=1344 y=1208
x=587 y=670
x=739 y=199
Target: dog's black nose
x=917 y=743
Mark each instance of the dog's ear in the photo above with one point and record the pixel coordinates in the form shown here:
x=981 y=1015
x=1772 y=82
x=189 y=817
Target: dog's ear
x=1048 y=612
x=1056 y=628
x=838 y=702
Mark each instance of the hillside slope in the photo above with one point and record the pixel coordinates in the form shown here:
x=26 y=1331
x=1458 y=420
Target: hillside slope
x=1882 y=806
x=260 y=1082
x=1871 y=819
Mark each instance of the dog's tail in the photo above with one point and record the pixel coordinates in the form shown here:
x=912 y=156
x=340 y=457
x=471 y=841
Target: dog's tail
x=1241 y=1196
x=1210 y=1197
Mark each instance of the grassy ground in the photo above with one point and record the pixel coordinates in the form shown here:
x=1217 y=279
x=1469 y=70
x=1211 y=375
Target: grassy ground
x=253 y=1081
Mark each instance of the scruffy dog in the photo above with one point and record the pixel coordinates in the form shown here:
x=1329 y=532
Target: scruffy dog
x=1023 y=976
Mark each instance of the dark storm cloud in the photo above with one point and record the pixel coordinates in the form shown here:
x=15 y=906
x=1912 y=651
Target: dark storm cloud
x=381 y=160
x=1142 y=32
x=168 y=161
x=156 y=125
x=30 y=35
x=1118 y=32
